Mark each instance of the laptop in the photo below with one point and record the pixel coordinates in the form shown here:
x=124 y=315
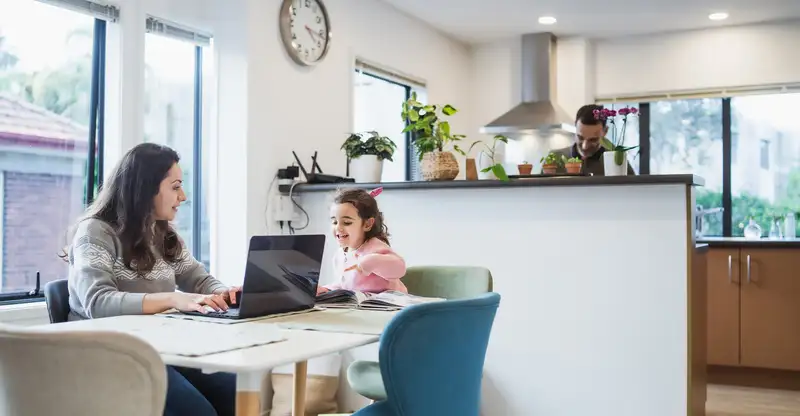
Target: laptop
x=281 y=276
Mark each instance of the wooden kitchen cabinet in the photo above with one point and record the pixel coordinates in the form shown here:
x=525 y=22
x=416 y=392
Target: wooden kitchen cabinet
x=753 y=312
x=723 y=306
x=770 y=308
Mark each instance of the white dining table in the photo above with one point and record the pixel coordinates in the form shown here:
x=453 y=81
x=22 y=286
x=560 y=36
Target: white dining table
x=317 y=334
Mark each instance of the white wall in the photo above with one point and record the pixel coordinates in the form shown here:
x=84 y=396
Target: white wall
x=712 y=58
x=271 y=106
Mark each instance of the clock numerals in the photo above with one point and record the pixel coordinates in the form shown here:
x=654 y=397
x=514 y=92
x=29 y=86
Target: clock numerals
x=319 y=44
x=305 y=30
x=308 y=3
x=319 y=19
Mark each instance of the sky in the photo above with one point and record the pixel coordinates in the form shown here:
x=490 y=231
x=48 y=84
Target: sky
x=37 y=34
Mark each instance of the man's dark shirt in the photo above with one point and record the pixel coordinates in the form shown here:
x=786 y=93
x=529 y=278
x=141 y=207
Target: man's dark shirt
x=593 y=164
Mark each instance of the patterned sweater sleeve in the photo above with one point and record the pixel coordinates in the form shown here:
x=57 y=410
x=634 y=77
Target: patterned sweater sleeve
x=191 y=276
x=92 y=257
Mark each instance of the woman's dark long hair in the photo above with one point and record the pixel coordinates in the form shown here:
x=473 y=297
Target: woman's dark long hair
x=126 y=203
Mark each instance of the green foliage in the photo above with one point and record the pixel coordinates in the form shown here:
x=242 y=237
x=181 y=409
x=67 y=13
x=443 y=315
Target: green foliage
x=64 y=90
x=574 y=160
x=427 y=122
x=496 y=168
x=553 y=159
x=684 y=134
x=744 y=207
x=355 y=145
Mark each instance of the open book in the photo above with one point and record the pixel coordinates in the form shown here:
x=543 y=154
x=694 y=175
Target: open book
x=388 y=300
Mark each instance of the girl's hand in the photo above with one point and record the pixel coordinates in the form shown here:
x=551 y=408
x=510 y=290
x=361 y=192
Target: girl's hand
x=322 y=289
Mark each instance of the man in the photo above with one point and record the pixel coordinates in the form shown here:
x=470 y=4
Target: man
x=587 y=142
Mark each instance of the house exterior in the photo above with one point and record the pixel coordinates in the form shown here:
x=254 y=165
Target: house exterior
x=42 y=177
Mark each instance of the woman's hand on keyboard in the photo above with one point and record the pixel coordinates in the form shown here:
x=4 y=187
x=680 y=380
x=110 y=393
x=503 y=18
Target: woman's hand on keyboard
x=187 y=302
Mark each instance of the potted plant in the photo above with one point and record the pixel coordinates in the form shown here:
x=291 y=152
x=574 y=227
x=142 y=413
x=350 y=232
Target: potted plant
x=431 y=133
x=525 y=168
x=366 y=153
x=495 y=167
x=573 y=165
x=551 y=163
x=615 y=160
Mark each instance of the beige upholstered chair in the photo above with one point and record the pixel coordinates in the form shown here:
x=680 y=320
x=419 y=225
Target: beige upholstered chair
x=49 y=371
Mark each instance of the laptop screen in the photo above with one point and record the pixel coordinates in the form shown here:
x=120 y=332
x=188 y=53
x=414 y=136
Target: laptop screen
x=282 y=272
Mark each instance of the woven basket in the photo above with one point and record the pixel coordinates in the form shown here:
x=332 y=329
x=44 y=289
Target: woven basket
x=439 y=166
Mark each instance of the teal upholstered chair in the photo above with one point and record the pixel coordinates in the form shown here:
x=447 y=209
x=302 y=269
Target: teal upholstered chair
x=448 y=282
x=432 y=357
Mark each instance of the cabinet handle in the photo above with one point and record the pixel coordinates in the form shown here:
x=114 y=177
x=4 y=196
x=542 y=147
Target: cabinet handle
x=748 y=268
x=730 y=273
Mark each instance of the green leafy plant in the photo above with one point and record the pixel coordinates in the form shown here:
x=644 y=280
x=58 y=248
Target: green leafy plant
x=553 y=159
x=427 y=122
x=496 y=167
x=617 y=142
x=574 y=160
x=369 y=143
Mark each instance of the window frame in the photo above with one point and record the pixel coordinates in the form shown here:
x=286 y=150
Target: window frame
x=728 y=146
x=96 y=141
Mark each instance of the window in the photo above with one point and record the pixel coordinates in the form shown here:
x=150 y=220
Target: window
x=176 y=63
x=686 y=137
x=378 y=99
x=765 y=182
x=51 y=116
x=764 y=151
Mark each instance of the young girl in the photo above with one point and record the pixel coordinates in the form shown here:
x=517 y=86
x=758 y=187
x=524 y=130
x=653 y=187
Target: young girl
x=366 y=262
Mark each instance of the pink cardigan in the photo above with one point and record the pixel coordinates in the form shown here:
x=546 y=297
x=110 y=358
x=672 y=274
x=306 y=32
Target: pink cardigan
x=381 y=268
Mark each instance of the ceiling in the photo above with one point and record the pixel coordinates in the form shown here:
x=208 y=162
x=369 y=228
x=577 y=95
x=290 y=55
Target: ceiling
x=478 y=21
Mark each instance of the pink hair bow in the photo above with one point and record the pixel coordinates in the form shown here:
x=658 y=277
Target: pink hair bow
x=375 y=192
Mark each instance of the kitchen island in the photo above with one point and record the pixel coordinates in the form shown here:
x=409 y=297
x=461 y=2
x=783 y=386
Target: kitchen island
x=603 y=287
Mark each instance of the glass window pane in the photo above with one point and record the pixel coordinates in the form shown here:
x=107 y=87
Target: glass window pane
x=686 y=137
x=765 y=172
x=45 y=84
x=169 y=112
x=377 y=107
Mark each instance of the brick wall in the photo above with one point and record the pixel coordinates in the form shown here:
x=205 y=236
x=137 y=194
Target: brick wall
x=37 y=209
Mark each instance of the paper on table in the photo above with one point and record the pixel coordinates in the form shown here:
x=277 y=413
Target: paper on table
x=226 y=321
x=353 y=321
x=191 y=338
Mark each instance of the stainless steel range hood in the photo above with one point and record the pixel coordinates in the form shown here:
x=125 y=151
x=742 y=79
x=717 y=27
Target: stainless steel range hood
x=538 y=112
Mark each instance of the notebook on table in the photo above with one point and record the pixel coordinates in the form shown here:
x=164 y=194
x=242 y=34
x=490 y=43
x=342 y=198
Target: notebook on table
x=388 y=300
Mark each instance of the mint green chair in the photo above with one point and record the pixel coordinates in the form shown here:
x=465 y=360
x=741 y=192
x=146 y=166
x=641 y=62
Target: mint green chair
x=448 y=282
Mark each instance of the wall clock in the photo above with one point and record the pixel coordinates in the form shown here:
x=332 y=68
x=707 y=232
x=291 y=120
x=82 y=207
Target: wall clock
x=305 y=30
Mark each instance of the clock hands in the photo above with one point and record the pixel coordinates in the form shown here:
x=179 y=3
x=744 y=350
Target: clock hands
x=312 y=33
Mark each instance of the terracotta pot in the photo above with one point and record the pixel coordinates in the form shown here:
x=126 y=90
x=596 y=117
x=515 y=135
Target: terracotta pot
x=573 y=167
x=549 y=168
x=471 y=173
x=439 y=166
x=525 y=169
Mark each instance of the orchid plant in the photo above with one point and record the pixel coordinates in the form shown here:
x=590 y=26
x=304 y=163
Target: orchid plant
x=617 y=142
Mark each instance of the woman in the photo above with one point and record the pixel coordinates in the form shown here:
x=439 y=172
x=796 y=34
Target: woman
x=126 y=259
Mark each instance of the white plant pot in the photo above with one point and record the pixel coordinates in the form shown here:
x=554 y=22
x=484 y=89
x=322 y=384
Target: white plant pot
x=611 y=167
x=366 y=169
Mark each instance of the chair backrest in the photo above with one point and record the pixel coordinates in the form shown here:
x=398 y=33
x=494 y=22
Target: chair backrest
x=449 y=282
x=432 y=356
x=56 y=296
x=49 y=371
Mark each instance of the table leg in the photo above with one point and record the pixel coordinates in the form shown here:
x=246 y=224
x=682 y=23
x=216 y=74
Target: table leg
x=299 y=391
x=248 y=394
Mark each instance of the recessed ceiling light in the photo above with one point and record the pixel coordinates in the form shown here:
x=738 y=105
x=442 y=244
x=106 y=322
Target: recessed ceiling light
x=718 y=16
x=547 y=20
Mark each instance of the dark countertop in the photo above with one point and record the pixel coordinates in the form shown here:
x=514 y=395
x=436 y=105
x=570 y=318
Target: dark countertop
x=514 y=183
x=742 y=242
x=701 y=247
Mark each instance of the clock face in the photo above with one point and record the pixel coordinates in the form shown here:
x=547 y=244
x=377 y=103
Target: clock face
x=305 y=29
